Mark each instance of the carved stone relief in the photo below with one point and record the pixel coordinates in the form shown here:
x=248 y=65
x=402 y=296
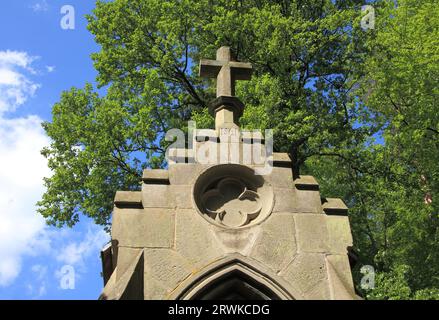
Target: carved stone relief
x=233 y=197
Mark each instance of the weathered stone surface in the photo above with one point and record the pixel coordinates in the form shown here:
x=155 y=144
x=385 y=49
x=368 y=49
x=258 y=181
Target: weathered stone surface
x=306 y=272
x=184 y=173
x=334 y=206
x=154 y=290
x=275 y=245
x=284 y=200
x=280 y=177
x=307 y=201
x=339 y=231
x=237 y=240
x=157 y=196
x=340 y=278
x=293 y=200
x=155 y=176
x=194 y=239
x=167 y=267
x=319 y=292
x=226 y=115
x=306 y=183
x=143 y=228
x=129 y=285
x=126 y=257
x=183 y=196
x=128 y=198
x=115 y=251
x=311 y=233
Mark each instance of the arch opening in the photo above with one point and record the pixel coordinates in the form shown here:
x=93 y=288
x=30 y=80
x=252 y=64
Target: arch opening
x=235 y=279
x=235 y=286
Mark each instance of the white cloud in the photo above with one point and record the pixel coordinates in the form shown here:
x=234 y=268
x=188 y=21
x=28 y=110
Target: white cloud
x=40 y=6
x=15 y=85
x=22 y=168
x=16 y=58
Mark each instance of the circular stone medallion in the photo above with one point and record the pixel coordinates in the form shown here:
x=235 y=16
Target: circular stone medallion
x=232 y=196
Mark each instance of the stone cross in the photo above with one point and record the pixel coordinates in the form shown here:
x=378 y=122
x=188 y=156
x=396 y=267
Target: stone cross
x=226 y=108
x=226 y=70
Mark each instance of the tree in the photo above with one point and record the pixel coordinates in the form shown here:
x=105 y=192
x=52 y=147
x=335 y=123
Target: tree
x=327 y=88
x=392 y=187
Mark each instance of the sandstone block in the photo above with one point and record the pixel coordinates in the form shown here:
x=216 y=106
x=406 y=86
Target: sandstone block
x=125 y=259
x=307 y=272
x=339 y=231
x=183 y=173
x=154 y=290
x=340 y=277
x=312 y=233
x=276 y=246
x=307 y=201
x=320 y=291
x=157 y=196
x=194 y=239
x=183 y=196
x=280 y=177
x=143 y=228
x=284 y=200
x=167 y=267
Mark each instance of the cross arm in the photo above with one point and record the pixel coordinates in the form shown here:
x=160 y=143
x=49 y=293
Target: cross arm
x=209 y=68
x=241 y=70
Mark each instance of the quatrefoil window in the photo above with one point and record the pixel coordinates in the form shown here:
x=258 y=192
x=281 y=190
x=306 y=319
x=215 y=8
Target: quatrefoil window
x=231 y=203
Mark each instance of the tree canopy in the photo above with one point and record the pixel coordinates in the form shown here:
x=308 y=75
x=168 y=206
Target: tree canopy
x=355 y=108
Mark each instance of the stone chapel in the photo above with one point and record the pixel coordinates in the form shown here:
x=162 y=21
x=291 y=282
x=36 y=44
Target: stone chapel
x=226 y=229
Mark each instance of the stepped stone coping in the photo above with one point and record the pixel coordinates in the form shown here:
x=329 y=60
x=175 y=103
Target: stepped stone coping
x=306 y=183
x=155 y=176
x=281 y=159
x=334 y=206
x=128 y=199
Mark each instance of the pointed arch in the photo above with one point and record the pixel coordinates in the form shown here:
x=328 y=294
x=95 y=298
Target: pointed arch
x=235 y=277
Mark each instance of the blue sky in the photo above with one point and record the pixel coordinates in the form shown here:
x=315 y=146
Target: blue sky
x=38 y=60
